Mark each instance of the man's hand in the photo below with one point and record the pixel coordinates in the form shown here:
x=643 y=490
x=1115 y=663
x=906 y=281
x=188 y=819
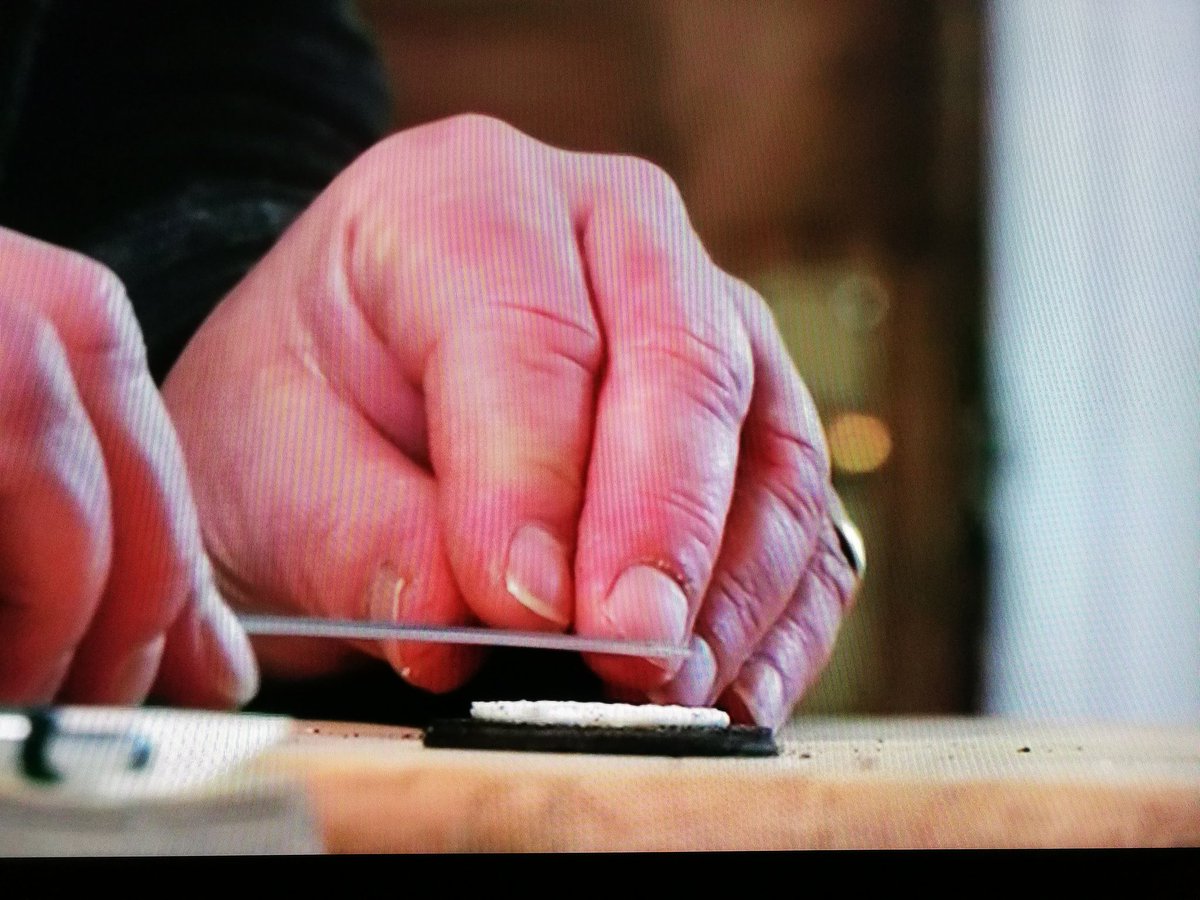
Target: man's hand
x=105 y=590
x=484 y=379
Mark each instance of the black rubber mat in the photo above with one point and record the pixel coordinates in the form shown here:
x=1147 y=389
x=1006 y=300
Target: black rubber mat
x=476 y=734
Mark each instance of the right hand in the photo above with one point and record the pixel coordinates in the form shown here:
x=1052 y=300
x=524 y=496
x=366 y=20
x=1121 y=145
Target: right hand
x=105 y=590
x=483 y=379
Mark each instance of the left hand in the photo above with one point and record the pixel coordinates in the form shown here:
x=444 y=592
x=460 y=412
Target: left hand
x=469 y=333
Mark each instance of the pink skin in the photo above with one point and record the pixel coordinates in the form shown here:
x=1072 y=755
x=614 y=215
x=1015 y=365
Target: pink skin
x=482 y=379
x=105 y=591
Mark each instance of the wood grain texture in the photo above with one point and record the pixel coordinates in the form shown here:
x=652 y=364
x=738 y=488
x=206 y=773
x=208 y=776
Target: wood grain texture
x=839 y=783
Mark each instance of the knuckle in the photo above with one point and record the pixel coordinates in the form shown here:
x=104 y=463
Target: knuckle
x=748 y=595
x=471 y=155
x=647 y=181
x=480 y=151
x=496 y=244
x=693 y=529
x=109 y=328
x=581 y=347
x=48 y=443
x=646 y=235
x=796 y=475
x=84 y=299
x=36 y=389
x=475 y=128
x=541 y=365
x=725 y=379
x=551 y=341
x=101 y=285
x=718 y=376
x=28 y=341
x=803 y=646
x=736 y=615
x=482 y=126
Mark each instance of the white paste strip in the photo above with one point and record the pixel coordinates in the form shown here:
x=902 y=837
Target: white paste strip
x=598 y=715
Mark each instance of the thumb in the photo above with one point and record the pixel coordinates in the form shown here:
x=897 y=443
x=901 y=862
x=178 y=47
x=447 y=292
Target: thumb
x=365 y=540
x=330 y=520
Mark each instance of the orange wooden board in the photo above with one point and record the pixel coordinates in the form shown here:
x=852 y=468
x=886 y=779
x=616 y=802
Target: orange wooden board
x=839 y=783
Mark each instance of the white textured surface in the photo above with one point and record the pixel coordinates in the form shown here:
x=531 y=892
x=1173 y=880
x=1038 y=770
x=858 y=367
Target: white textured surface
x=606 y=715
x=189 y=751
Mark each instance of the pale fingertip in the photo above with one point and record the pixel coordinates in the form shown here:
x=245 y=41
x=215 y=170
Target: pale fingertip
x=760 y=690
x=385 y=594
x=441 y=668
x=436 y=668
x=538 y=574
x=693 y=684
x=647 y=604
x=385 y=597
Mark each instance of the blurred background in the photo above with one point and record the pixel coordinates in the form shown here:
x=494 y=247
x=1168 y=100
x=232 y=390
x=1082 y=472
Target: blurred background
x=978 y=225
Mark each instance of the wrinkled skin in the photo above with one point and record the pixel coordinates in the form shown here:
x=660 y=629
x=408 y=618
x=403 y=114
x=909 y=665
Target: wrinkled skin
x=105 y=591
x=485 y=380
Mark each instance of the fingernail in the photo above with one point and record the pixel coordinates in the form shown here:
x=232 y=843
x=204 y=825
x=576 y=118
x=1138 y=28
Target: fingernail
x=385 y=598
x=240 y=679
x=648 y=605
x=760 y=690
x=538 y=574
x=385 y=594
x=694 y=682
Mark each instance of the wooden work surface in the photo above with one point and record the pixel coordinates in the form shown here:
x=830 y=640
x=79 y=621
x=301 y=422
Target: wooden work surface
x=849 y=783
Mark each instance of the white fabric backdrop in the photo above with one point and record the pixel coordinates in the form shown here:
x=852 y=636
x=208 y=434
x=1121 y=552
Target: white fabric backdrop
x=1094 y=292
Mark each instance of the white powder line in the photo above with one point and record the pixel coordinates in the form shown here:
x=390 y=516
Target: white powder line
x=597 y=715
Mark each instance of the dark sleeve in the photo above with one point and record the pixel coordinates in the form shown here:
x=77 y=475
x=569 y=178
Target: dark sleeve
x=174 y=141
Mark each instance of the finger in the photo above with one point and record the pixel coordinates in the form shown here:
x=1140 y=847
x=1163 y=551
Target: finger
x=778 y=511
x=201 y=632
x=55 y=537
x=509 y=389
x=676 y=390
x=158 y=565
x=364 y=542
x=692 y=684
x=799 y=644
